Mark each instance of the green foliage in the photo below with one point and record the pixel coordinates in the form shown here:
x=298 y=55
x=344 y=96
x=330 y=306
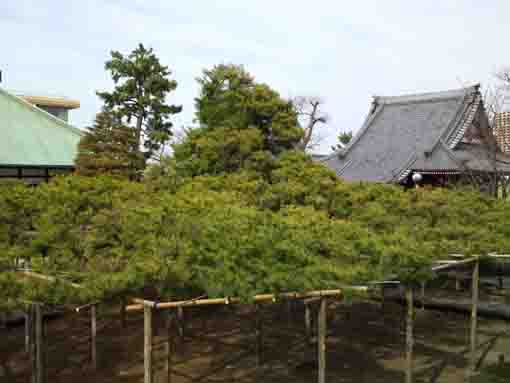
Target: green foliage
x=294 y=227
x=242 y=123
x=109 y=147
x=344 y=138
x=494 y=374
x=142 y=86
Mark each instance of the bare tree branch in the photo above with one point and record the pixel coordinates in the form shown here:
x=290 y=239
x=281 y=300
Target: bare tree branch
x=311 y=118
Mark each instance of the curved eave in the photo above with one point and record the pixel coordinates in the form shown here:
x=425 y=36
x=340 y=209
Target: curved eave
x=56 y=102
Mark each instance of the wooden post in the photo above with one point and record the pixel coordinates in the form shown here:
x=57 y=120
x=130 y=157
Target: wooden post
x=309 y=354
x=474 y=317
x=123 y=312
x=321 y=341
x=423 y=296
x=168 y=346
x=93 y=333
x=27 y=330
x=180 y=321
x=383 y=297
x=258 y=335
x=147 y=350
x=409 y=335
x=33 y=350
x=457 y=284
x=39 y=360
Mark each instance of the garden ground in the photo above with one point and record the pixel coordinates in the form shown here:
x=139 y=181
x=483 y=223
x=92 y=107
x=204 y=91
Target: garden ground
x=365 y=344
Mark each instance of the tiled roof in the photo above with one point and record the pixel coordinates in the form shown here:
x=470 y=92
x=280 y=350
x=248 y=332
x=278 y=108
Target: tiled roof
x=419 y=131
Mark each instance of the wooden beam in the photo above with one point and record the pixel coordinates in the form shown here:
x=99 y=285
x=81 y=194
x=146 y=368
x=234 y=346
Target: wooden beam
x=147 y=349
x=93 y=333
x=409 y=335
x=321 y=341
x=474 y=319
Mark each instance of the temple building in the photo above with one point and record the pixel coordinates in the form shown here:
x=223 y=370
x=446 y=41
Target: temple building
x=444 y=137
x=37 y=142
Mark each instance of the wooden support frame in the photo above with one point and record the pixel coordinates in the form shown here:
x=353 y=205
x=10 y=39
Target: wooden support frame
x=258 y=335
x=147 y=352
x=39 y=372
x=28 y=326
x=228 y=300
x=169 y=346
x=474 y=320
x=93 y=334
x=409 y=334
x=321 y=341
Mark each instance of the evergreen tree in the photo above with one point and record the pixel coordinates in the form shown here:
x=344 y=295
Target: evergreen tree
x=242 y=123
x=142 y=85
x=109 y=147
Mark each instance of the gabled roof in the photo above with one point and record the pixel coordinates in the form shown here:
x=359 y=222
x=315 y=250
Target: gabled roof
x=419 y=131
x=32 y=137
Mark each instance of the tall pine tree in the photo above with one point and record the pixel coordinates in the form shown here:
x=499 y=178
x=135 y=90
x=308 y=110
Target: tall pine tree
x=141 y=87
x=109 y=147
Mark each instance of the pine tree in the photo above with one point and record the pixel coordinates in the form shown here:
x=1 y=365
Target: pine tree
x=242 y=123
x=109 y=147
x=142 y=85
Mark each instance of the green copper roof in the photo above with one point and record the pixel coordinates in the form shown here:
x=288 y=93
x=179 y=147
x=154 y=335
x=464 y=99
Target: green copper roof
x=29 y=136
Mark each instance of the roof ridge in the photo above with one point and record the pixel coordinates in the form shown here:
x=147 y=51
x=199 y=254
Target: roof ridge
x=34 y=108
x=427 y=96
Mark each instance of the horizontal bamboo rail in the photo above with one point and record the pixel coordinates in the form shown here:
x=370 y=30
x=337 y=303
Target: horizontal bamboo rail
x=47 y=278
x=227 y=300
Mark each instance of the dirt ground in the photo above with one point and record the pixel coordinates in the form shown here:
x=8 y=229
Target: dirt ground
x=365 y=344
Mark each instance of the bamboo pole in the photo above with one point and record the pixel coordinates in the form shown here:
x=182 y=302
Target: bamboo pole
x=321 y=341
x=48 y=278
x=409 y=335
x=227 y=300
x=474 y=319
x=168 y=346
x=93 y=333
x=147 y=352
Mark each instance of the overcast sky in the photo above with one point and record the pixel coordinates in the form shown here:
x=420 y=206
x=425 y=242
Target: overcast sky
x=344 y=52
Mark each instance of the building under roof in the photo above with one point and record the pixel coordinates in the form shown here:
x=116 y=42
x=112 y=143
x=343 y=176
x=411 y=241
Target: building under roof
x=439 y=135
x=35 y=143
